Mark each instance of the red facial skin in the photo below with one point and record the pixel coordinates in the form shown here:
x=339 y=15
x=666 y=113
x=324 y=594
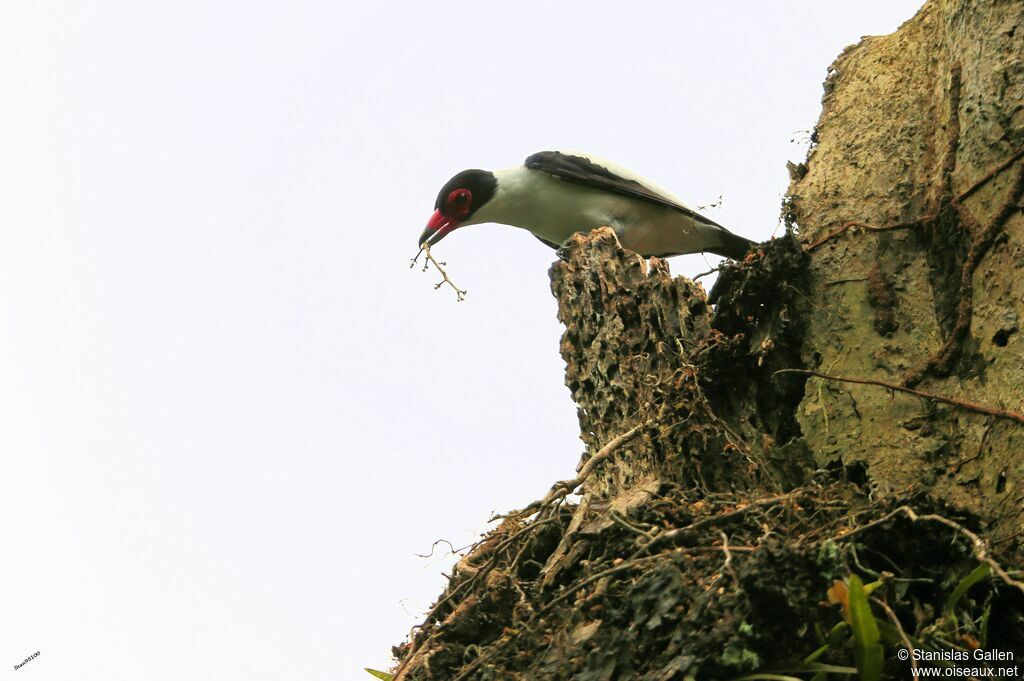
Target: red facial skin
x=449 y=217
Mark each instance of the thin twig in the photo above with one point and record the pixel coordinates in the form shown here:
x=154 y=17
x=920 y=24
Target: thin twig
x=620 y=519
x=969 y=406
x=704 y=274
x=631 y=563
x=903 y=634
x=716 y=204
x=564 y=487
x=429 y=259
x=451 y=548
x=871 y=228
x=457 y=589
x=1017 y=155
x=727 y=565
x=980 y=551
x=677 y=534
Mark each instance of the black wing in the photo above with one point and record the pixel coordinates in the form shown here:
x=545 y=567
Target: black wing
x=544 y=241
x=582 y=170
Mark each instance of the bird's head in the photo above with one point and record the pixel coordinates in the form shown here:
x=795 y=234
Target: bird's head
x=457 y=201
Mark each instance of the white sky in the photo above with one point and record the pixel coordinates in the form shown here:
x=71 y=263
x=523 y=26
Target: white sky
x=229 y=412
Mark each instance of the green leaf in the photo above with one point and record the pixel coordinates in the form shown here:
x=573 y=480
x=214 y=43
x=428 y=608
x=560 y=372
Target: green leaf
x=867 y=648
x=976 y=575
x=816 y=654
x=383 y=676
x=983 y=626
x=809 y=667
x=838 y=634
x=890 y=635
x=830 y=668
x=870 y=588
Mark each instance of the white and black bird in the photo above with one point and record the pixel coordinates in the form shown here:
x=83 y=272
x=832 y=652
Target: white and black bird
x=555 y=194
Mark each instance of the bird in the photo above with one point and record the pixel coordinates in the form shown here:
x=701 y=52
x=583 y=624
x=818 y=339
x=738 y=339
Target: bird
x=555 y=194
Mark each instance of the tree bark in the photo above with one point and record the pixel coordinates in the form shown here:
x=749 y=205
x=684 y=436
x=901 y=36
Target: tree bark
x=910 y=122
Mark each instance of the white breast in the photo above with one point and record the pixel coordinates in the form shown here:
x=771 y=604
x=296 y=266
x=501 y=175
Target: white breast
x=555 y=209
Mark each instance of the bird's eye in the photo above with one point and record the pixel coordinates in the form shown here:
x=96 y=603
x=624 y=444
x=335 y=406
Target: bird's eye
x=459 y=199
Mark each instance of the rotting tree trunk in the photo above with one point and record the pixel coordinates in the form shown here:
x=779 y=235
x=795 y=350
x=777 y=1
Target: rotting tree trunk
x=730 y=476
x=628 y=330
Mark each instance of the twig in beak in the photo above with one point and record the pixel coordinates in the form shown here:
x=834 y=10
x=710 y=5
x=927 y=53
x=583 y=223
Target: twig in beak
x=425 y=249
x=412 y=263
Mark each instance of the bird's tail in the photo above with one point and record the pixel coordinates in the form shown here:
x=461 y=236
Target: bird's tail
x=732 y=246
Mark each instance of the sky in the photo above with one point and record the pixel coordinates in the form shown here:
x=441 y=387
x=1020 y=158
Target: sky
x=231 y=415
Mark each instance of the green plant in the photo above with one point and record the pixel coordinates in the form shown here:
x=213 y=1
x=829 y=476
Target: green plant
x=867 y=650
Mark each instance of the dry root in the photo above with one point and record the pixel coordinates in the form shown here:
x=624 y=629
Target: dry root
x=983 y=237
x=962 y=404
